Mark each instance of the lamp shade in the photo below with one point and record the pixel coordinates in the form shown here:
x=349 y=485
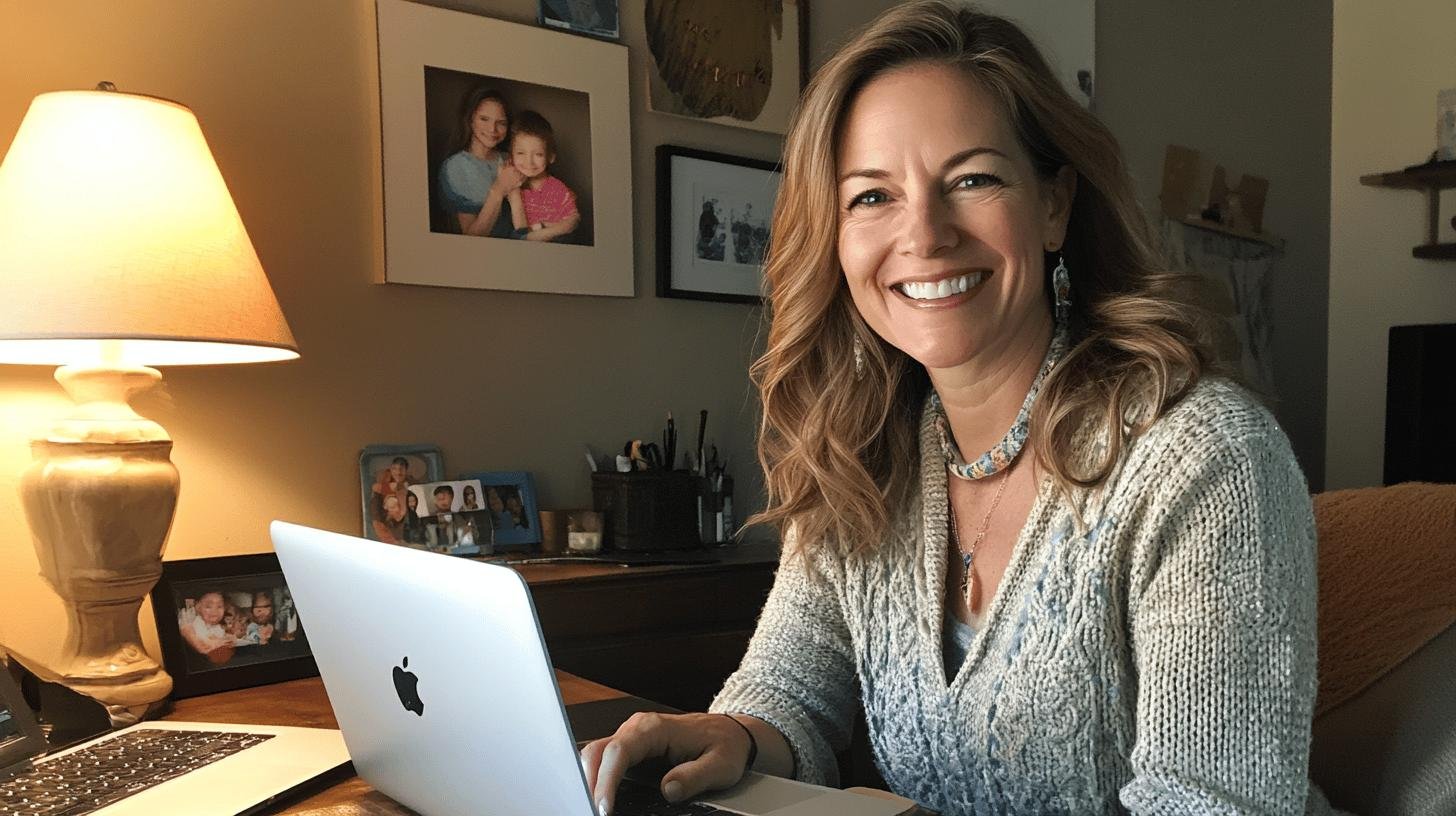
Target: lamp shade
x=119 y=242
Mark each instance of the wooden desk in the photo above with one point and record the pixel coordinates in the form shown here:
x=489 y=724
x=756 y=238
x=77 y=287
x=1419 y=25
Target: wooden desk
x=671 y=634
x=304 y=703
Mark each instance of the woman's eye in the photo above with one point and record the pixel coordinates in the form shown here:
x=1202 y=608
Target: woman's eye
x=870 y=197
x=974 y=181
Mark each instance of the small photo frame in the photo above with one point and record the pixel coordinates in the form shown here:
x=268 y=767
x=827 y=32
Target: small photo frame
x=713 y=217
x=385 y=475
x=448 y=517
x=596 y=18
x=510 y=500
x=229 y=623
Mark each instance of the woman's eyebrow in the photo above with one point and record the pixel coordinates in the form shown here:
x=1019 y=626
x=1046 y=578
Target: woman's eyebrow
x=964 y=155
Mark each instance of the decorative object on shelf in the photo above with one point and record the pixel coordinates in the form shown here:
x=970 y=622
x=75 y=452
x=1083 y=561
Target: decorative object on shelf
x=506 y=155
x=1237 y=211
x=597 y=18
x=740 y=64
x=228 y=623
x=713 y=218
x=1430 y=178
x=385 y=474
x=510 y=500
x=1446 y=125
x=448 y=517
x=163 y=273
x=1242 y=266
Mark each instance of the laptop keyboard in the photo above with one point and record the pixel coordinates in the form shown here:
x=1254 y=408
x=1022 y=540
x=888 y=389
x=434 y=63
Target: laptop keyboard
x=637 y=799
x=110 y=770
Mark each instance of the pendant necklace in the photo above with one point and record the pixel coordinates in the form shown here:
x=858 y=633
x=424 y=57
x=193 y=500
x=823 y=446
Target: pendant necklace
x=968 y=579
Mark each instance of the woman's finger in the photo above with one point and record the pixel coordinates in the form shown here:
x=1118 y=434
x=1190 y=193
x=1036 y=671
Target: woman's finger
x=642 y=736
x=591 y=760
x=714 y=770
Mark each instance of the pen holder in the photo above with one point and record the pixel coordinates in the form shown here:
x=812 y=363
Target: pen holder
x=647 y=509
x=715 y=509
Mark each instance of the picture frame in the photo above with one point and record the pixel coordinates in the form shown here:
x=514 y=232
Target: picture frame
x=713 y=217
x=517 y=524
x=448 y=517
x=457 y=90
x=594 y=18
x=380 y=476
x=265 y=644
x=686 y=37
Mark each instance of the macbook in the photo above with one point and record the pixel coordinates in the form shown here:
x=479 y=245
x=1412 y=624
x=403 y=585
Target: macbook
x=441 y=683
x=156 y=767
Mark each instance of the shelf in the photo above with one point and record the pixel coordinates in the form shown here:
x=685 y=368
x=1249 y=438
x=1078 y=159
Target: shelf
x=1430 y=178
x=1433 y=176
x=1436 y=252
x=1233 y=232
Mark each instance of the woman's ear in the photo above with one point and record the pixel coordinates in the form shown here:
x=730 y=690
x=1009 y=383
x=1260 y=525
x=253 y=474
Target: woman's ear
x=1059 y=193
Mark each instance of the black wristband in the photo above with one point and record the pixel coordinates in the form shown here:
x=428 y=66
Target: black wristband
x=752 y=744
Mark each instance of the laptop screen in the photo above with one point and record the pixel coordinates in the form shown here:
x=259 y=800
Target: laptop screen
x=9 y=728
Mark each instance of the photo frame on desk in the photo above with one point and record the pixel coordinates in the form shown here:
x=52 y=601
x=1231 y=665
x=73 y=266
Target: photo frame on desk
x=510 y=499
x=714 y=212
x=457 y=93
x=389 y=470
x=229 y=623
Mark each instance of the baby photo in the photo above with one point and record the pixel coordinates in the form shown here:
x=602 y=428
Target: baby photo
x=508 y=159
x=237 y=622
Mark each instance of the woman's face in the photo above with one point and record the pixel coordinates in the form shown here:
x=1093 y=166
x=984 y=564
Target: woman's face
x=488 y=124
x=942 y=219
x=469 y=495
x=493 y=500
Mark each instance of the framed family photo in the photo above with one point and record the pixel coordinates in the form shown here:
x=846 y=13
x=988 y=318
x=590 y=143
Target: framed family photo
x=229 y=623
x=448 y=517
x=510 y=502
x=713 y=218
x=506 y=155
x=385 y=475
x=740 y=64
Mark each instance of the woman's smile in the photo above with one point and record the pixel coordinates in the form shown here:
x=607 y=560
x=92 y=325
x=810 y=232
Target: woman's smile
x=941 y=293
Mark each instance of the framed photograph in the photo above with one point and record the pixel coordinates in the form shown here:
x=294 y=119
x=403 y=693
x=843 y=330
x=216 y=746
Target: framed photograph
x=448 y=517
x=597 y=18
x=385 y=474
x=510 y=501
x=713 y=216
x=228 y=623
x=740 y=64
x=507 y=155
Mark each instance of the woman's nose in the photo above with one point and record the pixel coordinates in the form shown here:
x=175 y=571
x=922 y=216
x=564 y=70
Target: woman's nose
x=929 y=227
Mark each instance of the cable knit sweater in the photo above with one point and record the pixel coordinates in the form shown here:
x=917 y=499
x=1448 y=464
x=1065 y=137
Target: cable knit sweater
x=1158 y=658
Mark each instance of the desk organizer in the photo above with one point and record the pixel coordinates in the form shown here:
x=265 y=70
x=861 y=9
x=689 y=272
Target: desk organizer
x=648 y=509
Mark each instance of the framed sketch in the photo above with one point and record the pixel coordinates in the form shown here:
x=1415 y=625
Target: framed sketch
x=385 y=475
x=740 y=64
x=229 y=623
x=597 y=18
x=510 y=501
x=448 y=517
x=713 y=217
x=507 y=155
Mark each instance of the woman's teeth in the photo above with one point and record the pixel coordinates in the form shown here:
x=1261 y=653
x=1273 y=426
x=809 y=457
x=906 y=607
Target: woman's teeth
x=942 y=288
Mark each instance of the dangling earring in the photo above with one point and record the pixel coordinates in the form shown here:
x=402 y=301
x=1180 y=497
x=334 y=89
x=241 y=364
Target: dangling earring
x=859 y=363
x=1062 y=287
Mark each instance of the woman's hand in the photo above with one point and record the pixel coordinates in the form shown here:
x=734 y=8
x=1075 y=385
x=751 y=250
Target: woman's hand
x=705 y=752
x=508 y=179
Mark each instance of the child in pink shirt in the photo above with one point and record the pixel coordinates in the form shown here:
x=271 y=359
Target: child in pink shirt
x=542 y=208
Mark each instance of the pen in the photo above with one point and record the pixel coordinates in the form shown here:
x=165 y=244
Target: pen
x=669 y=443
x=702 y=429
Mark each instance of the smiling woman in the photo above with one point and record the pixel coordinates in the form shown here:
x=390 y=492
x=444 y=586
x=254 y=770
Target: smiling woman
x=1061 y=562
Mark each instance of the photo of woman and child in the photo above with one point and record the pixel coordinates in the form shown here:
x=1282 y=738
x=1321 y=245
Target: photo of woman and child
x=393 y=509
x=237 y=623
x=512 y=159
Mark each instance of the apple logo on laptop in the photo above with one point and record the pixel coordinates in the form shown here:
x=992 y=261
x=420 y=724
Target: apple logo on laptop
x=404 y=685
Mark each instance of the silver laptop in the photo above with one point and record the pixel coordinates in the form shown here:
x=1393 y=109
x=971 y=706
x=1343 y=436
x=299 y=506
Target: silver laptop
x=440 y=680
x=157 y=767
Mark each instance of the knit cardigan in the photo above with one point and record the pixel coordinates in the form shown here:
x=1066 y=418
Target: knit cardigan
x=1151 y=646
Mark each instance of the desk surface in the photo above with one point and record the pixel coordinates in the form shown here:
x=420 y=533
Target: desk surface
x=307 y=705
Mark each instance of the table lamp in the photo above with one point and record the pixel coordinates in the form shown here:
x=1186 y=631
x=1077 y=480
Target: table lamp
x=120 y=249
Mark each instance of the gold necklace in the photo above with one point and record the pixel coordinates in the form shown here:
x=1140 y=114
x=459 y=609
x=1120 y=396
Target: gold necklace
x=968 y=582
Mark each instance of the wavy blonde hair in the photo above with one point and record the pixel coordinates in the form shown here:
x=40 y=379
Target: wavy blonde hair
x=839 y=452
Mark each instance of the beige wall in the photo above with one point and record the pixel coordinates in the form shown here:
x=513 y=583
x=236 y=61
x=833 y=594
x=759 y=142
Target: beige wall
x=287 y=96
x=1389 y=62
x=1247 y=83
